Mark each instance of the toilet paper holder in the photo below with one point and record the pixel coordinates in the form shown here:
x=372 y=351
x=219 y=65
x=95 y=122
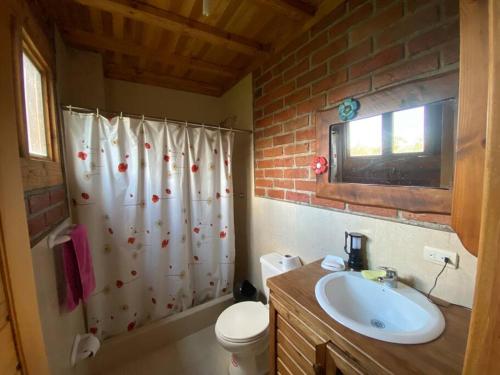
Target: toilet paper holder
x=84 y=346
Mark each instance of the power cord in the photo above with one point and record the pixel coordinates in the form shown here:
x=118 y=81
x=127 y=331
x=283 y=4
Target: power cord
x=446 y=261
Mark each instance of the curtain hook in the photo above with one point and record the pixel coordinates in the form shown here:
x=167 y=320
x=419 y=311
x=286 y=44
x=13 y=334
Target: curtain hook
x=142 y=118
x=70 y=109
x=97 y=112
x=121 y=115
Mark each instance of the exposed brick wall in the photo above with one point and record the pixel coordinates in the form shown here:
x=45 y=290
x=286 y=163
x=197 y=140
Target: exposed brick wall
x=45 y=209
x=361 y=47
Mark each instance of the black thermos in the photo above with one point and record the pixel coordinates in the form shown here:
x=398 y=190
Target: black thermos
x=355 y=261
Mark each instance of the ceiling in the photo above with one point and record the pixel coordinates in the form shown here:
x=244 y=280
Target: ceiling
x=170 y=43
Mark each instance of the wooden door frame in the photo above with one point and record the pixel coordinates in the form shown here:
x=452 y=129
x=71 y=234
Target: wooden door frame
x=483 y=345
x=15 y=251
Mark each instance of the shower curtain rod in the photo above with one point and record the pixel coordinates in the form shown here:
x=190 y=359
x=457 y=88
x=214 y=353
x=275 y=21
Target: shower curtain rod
x=134 y=115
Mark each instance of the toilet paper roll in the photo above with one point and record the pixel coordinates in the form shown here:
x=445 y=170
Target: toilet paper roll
x=290 y=262
x=85 y=346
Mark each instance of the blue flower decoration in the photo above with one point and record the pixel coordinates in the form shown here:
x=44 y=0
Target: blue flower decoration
x=348 y=109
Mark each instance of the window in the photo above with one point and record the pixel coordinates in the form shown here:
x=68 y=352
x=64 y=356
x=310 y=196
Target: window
x=35 y=96
x=365 y=137
x=408 y=130
x=34 y=108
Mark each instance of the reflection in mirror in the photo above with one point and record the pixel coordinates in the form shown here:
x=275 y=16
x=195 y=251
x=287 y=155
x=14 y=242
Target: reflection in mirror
x=410 y=147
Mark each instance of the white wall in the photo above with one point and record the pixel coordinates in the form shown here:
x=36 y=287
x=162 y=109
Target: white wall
x=312 y=233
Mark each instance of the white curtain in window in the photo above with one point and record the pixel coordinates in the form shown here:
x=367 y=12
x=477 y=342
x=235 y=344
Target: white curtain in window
x=157 y=200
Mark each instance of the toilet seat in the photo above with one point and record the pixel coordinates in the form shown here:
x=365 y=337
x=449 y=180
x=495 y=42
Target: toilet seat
x=243 y=322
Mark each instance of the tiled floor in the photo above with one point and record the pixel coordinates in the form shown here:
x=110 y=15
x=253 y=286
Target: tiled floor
x=198 y=354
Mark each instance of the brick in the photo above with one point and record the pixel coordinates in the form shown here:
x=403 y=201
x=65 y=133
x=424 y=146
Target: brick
x=265 y=164
x=297 y=123
x=352 y=55
x=277 y=194
x=382 y=3
x=409 y=69
x=305 y=185
x=275 y=94
x=318 y=41
x=273 y=84
x=329 y=19
x=273 y=107
x=353 y=19
x=263 y=143
x=355 y=3
x=258 y=92
x=38 y=202
x=311 y=105
x=329 y=82
x=301 y=161
x=451 y=53
x=268 y=132
x=305 y=135
x=259 y=173
x=414 y=5
x=289 y=61
x=330 y=203
x=57 y=195
x=257 y=114
x=296 y=149
x=276 y=173
x=258 y=155
x=379 y=60
x=284 y=162
x=256 y=73
x=284 y=184
x=37 y=225
x=260 y=192
x=283 y=139
x=263 y=79
x=54 y=215
x=377 y=23
x=296 y=44
x=450 y=8
x=284 y=115
x=312 y=75
x=433 y=38
x=408 y=26
x=333 y=48
x=263 y=183
x=296 y=173
x=263 y=122
x=298 y=96
x=351 y=89
x=377 y=211
x=430 y=218
x=273 y=152
x=297 y=197
x=296 y=70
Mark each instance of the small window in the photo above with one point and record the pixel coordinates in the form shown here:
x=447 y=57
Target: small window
x=34 y=106
x=408 y=130
x=365 y=137
x=35 y=101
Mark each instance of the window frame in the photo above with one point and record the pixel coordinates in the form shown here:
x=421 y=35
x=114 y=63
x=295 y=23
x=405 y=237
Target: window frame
x=27 y=46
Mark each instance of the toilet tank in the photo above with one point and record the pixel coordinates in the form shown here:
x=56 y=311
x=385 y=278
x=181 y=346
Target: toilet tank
x=270 y=265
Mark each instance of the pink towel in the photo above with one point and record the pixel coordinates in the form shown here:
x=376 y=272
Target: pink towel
x=78 y=269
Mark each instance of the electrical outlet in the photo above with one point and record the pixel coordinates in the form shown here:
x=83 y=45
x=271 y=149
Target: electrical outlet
x=431 y=254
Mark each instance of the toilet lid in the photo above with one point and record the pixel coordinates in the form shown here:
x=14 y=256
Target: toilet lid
x=243 y=322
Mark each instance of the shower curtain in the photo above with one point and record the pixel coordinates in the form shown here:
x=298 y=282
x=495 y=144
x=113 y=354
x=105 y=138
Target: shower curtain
x=157 y=200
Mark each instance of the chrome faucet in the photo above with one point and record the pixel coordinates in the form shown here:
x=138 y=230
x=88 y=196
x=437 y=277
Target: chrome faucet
x=391 y=277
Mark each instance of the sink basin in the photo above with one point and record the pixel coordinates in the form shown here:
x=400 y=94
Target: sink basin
x=400 y=315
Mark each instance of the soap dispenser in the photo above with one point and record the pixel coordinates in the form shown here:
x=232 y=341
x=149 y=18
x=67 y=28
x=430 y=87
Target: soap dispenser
x=355 y=261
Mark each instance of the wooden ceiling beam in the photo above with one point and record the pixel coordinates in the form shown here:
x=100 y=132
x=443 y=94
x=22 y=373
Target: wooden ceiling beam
x=164 y=19
x=294 y=9
x=100 y=43
x=152 y=78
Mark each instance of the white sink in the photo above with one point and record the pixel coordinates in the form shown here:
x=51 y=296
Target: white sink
x=400 y=315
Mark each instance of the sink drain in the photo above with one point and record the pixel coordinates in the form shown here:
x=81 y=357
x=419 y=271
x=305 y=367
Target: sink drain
x=377 y=323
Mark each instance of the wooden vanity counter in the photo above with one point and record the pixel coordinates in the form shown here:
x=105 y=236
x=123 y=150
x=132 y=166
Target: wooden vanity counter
x=302 y=335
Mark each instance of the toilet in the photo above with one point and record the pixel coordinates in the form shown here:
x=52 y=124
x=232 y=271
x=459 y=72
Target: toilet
x=243 y=328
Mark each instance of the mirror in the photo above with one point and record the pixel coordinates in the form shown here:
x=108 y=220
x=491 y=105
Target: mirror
x=408 y=147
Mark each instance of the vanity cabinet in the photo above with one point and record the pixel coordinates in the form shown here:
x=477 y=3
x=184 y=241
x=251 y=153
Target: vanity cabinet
x=304 y=339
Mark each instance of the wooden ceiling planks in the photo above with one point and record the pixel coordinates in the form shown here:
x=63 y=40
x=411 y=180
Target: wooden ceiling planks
x=172 y=44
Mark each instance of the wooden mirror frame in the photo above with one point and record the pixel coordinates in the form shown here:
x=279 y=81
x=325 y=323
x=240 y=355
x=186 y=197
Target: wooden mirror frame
x=409 y=198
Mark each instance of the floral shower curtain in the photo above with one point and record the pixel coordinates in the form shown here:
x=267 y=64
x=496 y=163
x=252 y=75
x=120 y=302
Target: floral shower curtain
x=157 y=200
